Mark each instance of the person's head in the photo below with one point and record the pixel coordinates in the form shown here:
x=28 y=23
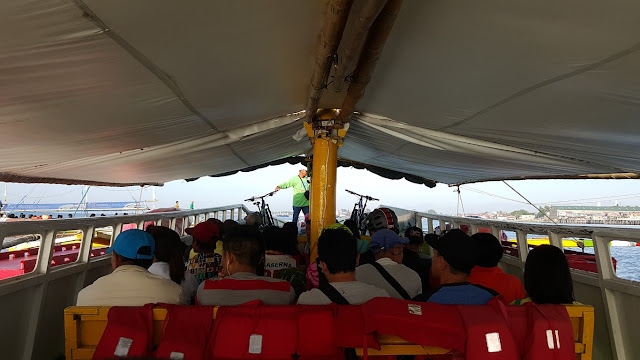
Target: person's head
x=454 y=256
x=382 y=218
x=205 y=235
x=353 y=227
x=275 y=239
x=243 y=250
x=219 y=224
x=386 y=243
x=302 y=173
x=168 y=250
x=547 y=279
x=132 y=247
x=337 y=252
x=414 y=234
x=253 y=219
x=290 y=232
x=228 y=225
x=489 y=250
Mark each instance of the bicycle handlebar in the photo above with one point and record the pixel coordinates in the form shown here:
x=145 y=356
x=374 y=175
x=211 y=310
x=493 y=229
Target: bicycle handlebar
x=362 y=196
x=254 y=198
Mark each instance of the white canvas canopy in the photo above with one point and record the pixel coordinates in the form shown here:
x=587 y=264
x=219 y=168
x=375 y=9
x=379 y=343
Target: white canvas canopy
x=144 y=92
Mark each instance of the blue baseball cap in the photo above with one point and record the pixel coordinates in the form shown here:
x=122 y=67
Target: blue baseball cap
x=385 y=239
x=129 y=242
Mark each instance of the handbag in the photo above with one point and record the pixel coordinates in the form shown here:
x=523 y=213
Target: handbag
x=306 y=193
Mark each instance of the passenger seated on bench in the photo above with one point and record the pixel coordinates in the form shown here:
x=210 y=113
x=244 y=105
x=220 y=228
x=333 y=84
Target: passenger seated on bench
x=205 y=263
x=243 y=251
x=488 y=274
x=130 y=283
x=279 y=249
x=547 y=278
x=338 y=255
x=453 y=259
x=168 y=261
x=387 y=271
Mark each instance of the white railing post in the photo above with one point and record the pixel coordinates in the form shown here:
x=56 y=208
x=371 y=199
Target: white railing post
x=523 y=246
x=172 y=224
x=206 y=216
x=117 y=229
x=606 y=273
x=430 y=225
x=555 y=240
x=233 y=214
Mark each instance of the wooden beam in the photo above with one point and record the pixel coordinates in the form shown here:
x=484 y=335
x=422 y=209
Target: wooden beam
x=328 y=42
x=369 y=58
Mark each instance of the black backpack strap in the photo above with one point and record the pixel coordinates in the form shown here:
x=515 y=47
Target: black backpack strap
x=391 y=280
x=333 y=294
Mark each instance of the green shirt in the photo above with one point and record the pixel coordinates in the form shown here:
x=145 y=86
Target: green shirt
x=299 y=186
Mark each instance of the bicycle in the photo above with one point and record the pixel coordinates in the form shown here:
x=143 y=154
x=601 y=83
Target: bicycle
x=263 y=209
x=358 y=214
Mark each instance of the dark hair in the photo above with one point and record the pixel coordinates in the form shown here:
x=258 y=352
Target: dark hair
x=414 y=234
x=145 y=263
x=547 y=279
x=488 y=250
x=290 y=231
x=168 y=250
x=219 y=224
x=353 y=227
x=228 y=225
x=246 y=244
x=338 y=249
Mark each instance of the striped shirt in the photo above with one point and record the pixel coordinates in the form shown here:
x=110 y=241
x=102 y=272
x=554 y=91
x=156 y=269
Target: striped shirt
x=243 y=287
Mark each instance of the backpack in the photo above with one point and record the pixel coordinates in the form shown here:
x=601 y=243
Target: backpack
x=129 y=333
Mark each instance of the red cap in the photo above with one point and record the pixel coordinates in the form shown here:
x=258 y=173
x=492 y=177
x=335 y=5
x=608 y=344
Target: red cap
x=204 y=232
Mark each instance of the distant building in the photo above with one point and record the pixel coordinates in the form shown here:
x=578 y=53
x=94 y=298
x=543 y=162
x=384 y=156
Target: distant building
x=614 y=215
x=527 y=217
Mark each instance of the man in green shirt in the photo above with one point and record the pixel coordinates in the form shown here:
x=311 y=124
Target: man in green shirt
x=300 y=185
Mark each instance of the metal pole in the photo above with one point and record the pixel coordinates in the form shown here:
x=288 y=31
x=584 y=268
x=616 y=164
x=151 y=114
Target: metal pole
x=323 y=188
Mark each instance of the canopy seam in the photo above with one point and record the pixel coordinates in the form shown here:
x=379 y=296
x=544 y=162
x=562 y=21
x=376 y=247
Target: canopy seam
x=614 y=57
x=149 y=65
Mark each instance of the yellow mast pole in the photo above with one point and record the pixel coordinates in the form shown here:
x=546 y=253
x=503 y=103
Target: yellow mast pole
x=326 y=137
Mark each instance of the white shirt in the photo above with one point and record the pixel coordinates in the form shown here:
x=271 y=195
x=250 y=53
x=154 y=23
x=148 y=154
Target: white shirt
x=409 y=279
x=355 y=292
x=274 y=263
x=189 y=284
x=130 y=285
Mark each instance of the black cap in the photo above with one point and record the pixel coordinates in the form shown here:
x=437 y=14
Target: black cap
x=457 y=249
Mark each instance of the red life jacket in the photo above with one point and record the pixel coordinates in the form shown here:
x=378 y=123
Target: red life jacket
x=186 y=332
x=426 y=324
x=254 y=331
x=550 y=334
x=349 y=329
x=129 y=333
x=487 y=332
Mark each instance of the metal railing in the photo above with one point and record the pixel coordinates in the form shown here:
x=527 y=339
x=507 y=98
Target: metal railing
x=44 y=273
x=611 y=286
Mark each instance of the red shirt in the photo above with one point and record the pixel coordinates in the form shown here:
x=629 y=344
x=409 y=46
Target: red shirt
x=494 y=278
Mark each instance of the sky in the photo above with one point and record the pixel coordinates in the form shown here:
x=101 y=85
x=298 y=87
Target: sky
x=233 y=189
